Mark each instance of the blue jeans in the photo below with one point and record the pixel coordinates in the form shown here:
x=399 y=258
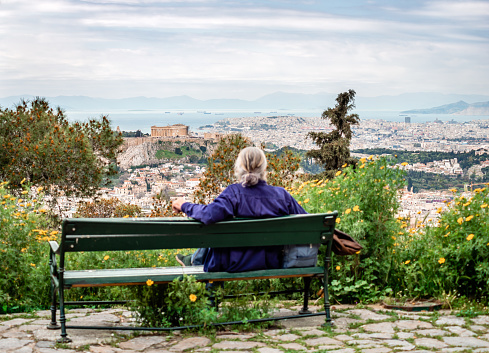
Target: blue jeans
x=198 y=257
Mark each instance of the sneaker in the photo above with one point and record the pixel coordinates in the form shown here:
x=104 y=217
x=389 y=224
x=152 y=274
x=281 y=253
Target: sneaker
x=184 y=260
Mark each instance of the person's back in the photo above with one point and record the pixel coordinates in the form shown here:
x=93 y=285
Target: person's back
x=252 y=198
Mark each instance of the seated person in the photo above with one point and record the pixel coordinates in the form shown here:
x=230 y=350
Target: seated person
x=251 y=197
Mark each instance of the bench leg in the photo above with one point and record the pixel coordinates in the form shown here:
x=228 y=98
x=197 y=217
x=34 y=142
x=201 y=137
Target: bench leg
x=307 y=286
x=53 y=325
x=327 y=306
x=62 y=318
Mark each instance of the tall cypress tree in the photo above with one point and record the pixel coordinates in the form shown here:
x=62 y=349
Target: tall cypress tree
x=334 y=147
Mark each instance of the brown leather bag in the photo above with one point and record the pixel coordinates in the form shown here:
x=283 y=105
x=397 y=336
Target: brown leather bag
x=344 y=244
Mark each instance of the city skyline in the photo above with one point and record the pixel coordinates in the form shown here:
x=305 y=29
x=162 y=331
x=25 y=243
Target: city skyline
x=221 y=49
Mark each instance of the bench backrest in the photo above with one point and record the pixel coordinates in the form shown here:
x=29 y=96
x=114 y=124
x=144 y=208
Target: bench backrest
x=107 y=234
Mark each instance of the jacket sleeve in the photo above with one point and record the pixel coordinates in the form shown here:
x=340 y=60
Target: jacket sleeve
x=220 y=209
x=294 y=207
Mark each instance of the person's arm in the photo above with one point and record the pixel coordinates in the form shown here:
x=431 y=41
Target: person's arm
x=220 y=209
x=294 y=207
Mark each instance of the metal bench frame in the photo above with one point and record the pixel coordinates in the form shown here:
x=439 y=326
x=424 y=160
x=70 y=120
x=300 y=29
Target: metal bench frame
x=124 y=234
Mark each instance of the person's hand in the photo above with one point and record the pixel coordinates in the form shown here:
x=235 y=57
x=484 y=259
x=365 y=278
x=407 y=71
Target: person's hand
x=177 y=204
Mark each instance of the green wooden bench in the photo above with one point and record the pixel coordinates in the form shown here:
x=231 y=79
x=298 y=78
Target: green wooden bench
x=125 y=234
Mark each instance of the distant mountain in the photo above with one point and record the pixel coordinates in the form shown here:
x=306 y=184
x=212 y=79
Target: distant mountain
x=459 y=108
x=275 y=102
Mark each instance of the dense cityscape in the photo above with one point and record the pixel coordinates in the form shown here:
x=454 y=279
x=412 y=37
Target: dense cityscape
x=180 y=178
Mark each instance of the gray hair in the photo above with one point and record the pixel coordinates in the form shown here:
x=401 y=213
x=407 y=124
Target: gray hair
x=250 y=166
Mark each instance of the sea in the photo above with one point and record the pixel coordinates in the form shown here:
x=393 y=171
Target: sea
x=132 y=120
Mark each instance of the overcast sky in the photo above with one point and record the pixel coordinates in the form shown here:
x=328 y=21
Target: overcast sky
x=242 y=48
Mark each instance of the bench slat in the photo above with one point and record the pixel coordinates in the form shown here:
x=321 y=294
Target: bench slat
x=139 y=276
x=89 y=234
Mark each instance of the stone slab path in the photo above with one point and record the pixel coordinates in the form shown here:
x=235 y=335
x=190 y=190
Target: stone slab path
x=357 y=329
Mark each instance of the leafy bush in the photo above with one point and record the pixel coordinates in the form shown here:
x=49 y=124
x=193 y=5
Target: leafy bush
x=450 y=256
x=186 y=302
x=24 y=233
x=366 y=197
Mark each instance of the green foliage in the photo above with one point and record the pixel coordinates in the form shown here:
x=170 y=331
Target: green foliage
x=429 y=181
x=185 y=302
x=43 y=147
x=452 y=254
x=334 y=147
x=366 y=198
x=106 y=208
x=180 y=303
x=465 y=159
x=24 y=232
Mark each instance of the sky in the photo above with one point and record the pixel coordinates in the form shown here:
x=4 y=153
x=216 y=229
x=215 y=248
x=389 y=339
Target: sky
x=212 y=49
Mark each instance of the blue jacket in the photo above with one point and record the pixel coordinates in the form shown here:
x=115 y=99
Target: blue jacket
x=258 y=201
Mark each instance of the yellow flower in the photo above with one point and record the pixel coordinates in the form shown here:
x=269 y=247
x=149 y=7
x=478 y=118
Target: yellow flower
x=356 y=208
x=126 y=216
x=338 y=173
x=358 y=252
x=408 y=261
x=320 y=192
x=53 y=233
x=299 y=202
x=344 y=165
x=192 y=297
x=404 y=164
x=338 y=268
x=39 y=189
x=441 y=261
x=469 y=218
x=33 y=265
x=484 y=205
x=106 y=257
x=470 y=236
x=348 y=210
x=149 y=282
x=447 y=234
x=338 y=220
x=24 y=192
x=23 y=180
x=460 y=220
x=363 y=160
x=466 y=204
x=382 y=167
x=306 y=200
x=453 y=190
x=362 y=166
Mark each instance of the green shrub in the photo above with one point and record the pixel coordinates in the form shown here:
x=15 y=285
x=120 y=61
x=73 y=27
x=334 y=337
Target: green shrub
x=367 y=199
x=452 y=255
x=186 y=302
x=24 y=233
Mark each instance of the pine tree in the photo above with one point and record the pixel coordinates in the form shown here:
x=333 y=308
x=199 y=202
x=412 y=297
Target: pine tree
x=40 y=146
x=334 y=147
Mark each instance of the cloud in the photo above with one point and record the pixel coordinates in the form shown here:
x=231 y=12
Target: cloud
x=183 y=45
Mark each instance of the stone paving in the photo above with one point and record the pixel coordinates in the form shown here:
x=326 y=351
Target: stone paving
x=367 y=329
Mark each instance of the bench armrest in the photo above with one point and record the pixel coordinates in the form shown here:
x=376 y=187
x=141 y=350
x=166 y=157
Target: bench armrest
x=54 y=247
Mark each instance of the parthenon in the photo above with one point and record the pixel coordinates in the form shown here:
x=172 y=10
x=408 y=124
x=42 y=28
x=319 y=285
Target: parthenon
x=169 y=131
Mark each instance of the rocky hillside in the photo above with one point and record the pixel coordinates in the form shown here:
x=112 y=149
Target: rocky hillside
x=149 y=153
